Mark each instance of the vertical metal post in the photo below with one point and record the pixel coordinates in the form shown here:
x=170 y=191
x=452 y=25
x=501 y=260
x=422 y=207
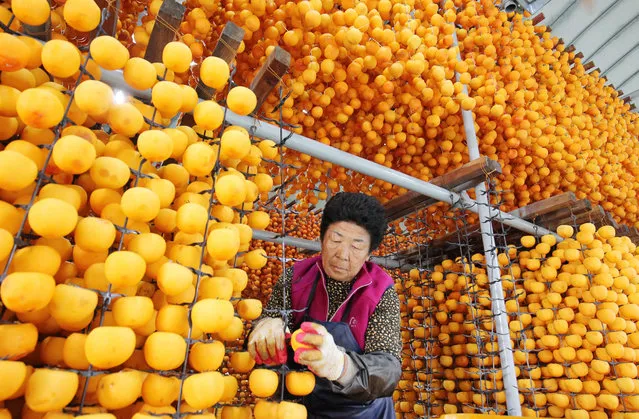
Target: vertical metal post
x=492 y=267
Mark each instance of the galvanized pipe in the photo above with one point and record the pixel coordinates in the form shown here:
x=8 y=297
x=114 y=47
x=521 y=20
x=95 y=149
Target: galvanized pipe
x=341 y=158
x=315 y=246
x=563 y=12
x=630 y=95
x=622 y=28
x=620 y=59
x=629 y=78
x=588 y=26
x=498 y=301
x=349 y=161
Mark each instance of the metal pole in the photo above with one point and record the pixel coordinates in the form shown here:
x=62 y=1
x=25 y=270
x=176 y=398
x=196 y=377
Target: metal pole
x=630 y=95
x=315 y=246
x=620 y=59
x=561 y=15
x=498 y=302
x=594 y=22
x=349 y=161
x=621 y=27
x=629 y=78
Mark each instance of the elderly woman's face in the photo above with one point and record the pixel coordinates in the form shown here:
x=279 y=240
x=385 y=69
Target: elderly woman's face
x=345 y=248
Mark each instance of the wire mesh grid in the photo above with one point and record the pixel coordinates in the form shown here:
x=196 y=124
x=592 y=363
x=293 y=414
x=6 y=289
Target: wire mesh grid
x=565 y=365
x=520 y=319
x=450 y=342
x=419 y=390
x=193 y=255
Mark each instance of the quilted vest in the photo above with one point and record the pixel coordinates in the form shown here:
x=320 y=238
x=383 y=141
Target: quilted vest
x=369 y=285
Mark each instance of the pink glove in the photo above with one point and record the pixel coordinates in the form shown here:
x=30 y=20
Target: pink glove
x=323 y=357
x=267 y=342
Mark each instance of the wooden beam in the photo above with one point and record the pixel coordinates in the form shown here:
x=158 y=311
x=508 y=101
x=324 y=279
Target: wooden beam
x=165 y=29
x=42 y=32
x=270 y=74
x=570 y=48
x=226 y=48
x=457 y=180
x=569 y=216
x=597 y=216
x=579 y=55
x=589 y=65
x=548 y=213
x=577 y=207
x=110 y=25
x=545 y=206
x=612 y=221
x=537 y=19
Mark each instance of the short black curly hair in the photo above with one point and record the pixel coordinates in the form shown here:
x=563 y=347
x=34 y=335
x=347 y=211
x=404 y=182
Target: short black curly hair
x=361 y=209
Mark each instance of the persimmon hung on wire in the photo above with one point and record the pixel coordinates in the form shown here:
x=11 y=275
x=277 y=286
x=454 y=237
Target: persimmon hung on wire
x=73 y=154
x=82 y=15
x=139 y=73
x=208 y=115
x=16 y=171
x=214 y=72
x=31 y=12
x=177 y=57
x=108 y=52
x=241 y=100
x=14 y=53
x=93 y=97
x=39 y=108
x=60 y=58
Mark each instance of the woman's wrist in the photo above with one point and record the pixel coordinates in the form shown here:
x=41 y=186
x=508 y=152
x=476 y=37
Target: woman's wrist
x=347 y=371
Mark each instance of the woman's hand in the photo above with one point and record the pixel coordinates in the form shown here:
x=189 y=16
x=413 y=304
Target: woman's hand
x=323 y=357
x=267 y=342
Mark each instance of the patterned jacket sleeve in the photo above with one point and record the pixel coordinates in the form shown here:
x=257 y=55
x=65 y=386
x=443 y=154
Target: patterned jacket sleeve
x=376 y=373
x=275 y=303
x=383 y=332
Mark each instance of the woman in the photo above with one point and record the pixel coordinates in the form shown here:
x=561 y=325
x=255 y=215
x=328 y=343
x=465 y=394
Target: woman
x=349 y=313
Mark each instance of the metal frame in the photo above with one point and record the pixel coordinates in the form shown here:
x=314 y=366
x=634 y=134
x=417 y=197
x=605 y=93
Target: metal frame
x=481 y=206
x=315 y=246
x=622 y=28
x=599 y=16
x=629 y=78
x=620 y=59
x=630 y=95
x=562 y=14
x=498 y=302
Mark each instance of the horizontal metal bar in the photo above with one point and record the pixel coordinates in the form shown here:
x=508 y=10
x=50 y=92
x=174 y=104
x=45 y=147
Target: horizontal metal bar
x=594 y=22
x=621 y=27
x=315 y=246
x=349 y=161
x=629 y=78
x=630 y=95
x=115 y=79
x=561 y=15
x=271 y=237
x=620 y=59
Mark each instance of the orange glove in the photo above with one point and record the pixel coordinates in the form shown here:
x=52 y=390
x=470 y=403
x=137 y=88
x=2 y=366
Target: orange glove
x=267 y=342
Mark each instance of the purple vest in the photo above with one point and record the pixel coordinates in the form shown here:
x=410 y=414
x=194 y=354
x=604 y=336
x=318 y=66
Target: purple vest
x=369 y=286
